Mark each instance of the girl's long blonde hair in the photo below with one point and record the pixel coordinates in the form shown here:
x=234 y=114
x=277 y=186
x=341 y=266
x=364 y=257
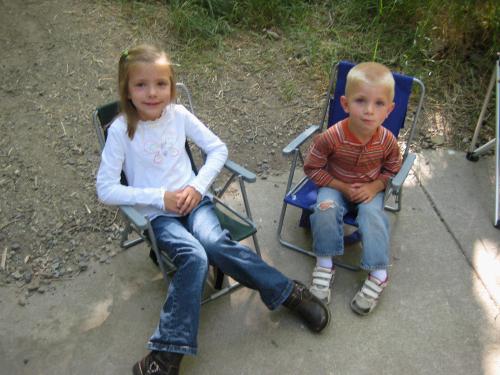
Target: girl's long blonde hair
x=144 y=53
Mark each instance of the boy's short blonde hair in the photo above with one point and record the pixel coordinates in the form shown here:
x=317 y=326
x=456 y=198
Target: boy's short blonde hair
x=371 y=73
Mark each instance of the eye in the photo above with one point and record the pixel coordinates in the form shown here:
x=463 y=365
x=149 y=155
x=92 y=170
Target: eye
x=380 y=103
x=163 y=83
x=359 y=100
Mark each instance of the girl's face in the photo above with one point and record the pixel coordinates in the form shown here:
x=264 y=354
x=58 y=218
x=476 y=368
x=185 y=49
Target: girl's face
x=149 y=88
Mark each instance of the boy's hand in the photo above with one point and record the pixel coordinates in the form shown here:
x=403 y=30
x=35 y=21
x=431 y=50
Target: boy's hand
x=187 y=199
x=170 y=201
x=364 y=192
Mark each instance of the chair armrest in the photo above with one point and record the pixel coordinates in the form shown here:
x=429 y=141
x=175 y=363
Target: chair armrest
x=301 y=138
x=239 y=170
x=135 y=217
x=398 y=180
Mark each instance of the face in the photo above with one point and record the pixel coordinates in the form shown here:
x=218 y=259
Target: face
x=149 y=88
x=368 y=106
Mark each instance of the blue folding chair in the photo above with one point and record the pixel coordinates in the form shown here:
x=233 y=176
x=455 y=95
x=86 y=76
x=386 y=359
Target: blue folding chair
x=303 y=195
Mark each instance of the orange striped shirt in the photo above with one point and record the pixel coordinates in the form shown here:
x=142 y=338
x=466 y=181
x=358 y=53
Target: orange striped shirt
x=338 y=154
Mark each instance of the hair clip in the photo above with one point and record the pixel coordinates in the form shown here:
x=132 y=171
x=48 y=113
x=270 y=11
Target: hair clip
x=125 y=53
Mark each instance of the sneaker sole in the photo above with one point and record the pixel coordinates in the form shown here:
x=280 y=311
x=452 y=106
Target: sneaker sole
x=358 y=310
x=136 y=370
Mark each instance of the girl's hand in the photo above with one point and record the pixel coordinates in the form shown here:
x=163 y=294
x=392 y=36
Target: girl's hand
x=170 y=201
x=187 y=199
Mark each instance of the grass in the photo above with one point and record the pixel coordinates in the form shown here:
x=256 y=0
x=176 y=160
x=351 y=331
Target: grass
x=450 y=44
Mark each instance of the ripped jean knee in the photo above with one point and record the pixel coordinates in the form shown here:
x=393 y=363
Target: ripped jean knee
x=326 y=204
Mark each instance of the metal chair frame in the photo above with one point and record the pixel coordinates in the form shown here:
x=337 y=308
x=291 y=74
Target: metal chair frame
x=475 y=152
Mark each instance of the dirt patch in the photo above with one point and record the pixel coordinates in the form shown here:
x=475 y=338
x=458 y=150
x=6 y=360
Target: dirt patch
x=59 y=63
x=55 y=70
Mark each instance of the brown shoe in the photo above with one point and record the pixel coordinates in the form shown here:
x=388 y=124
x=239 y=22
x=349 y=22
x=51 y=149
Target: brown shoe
x=158 y=363
x=309 y=307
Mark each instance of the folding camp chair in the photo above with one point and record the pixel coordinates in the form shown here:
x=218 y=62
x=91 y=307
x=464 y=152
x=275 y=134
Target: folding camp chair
x=303 y=194
x=240 y=225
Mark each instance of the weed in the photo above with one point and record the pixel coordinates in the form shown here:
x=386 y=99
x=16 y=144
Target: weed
x=450 y=44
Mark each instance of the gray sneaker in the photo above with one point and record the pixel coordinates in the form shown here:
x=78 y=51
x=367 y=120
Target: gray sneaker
x=368 y=296
x=322 y=281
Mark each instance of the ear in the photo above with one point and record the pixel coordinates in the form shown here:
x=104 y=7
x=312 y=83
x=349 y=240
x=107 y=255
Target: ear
x=390 y=109
x=344 y=103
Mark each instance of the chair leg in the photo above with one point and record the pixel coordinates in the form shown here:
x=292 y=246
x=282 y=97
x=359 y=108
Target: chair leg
x=153 y=257
x=219 y=279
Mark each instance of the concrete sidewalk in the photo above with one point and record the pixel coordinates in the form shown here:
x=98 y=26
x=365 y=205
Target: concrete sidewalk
x=439 y=314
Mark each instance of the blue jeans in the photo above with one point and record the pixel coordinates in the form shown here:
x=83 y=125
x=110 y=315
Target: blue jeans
x=193 y=242
x=327 y=223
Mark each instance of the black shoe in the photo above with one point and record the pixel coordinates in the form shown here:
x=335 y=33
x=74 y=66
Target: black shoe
x=158 y=363
x=310 y=308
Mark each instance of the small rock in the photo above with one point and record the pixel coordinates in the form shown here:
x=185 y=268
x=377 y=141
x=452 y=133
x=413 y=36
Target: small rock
x=21 y=301
x=28 y=275
x=438 y=139
x=35 y=285
x=272 y=34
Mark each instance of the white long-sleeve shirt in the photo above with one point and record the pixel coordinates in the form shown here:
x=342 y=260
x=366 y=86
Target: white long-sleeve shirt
x=155 y=160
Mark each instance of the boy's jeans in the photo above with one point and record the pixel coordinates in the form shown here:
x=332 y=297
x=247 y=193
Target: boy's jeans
x=327 y=224
x=192 y=242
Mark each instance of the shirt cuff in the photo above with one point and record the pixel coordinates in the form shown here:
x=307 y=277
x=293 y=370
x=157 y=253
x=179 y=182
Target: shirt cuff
x=160 y=202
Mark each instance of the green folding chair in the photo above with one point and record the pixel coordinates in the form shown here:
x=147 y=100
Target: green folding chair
x=239 y=224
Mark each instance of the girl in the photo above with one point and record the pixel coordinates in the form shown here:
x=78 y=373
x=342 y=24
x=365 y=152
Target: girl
x=147 y=142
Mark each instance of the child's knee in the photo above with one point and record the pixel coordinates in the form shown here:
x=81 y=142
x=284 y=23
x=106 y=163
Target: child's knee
x=326 y=205
x=197 y=259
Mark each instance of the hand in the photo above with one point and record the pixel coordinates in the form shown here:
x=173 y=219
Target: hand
x=170 y=201
x=364 y=192
x=187 y=199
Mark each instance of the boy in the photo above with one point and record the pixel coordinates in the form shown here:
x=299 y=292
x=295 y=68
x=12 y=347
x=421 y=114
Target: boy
x=351 y=162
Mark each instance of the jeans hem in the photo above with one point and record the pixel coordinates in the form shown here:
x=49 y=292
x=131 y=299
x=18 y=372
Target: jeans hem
x=282 y=298
x=180 y=349
x=334 y=253
x=373 y=268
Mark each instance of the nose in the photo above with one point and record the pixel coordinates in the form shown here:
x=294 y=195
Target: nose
x=151 y=90
x=370 y=107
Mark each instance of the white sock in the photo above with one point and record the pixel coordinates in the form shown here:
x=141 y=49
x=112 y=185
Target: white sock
x=379 y=274
x=324 y=262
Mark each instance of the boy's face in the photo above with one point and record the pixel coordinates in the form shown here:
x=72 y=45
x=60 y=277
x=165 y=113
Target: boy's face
x=149 y=88
x=368 y=106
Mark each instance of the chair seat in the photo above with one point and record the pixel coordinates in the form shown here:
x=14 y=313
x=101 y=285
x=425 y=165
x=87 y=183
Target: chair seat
x=238 y=229
x=305 y=197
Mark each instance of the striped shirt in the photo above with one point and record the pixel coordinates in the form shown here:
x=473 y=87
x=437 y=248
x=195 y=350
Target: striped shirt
x=338 y=154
